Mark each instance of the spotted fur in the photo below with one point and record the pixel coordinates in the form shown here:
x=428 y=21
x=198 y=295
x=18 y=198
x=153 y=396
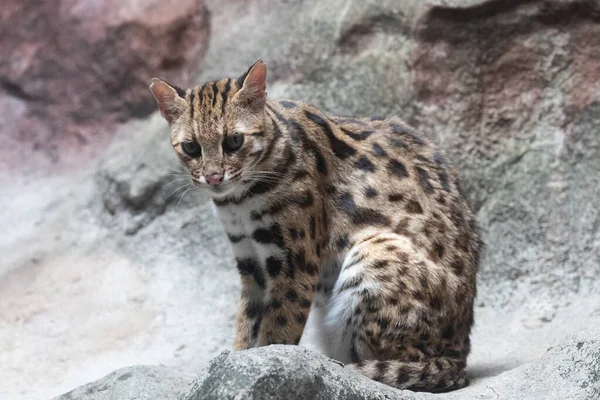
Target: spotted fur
x=363 y=218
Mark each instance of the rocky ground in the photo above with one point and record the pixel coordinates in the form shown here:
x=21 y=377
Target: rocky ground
x=108 y=261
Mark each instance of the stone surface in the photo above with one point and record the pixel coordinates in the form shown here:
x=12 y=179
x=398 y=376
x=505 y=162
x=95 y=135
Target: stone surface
x=101 y=268
x=132 y=383
x=570 y=370
x=80 y=66
x=283 y=372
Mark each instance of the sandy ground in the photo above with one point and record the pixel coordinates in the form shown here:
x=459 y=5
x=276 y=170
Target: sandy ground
x=77 y=303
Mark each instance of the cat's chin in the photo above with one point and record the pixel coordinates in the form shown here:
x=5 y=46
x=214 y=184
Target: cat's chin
x=221 y=190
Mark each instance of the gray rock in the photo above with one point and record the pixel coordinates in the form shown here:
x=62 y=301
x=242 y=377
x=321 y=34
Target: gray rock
x=133 y=383
x=284 y=373
x=570 y=370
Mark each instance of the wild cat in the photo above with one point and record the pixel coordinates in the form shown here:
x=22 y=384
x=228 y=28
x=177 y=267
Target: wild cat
x=363 y=218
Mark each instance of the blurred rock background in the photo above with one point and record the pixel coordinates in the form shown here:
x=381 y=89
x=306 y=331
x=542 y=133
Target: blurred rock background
x=108 y=260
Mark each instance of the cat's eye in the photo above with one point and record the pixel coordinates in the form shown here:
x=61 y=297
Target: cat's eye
x=233 y=143
x=192 y=149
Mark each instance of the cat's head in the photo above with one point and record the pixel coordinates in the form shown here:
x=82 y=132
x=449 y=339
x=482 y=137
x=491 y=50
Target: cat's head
x=217 y=129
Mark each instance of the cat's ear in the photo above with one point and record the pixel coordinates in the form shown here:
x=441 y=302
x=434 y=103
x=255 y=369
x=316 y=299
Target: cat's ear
x=254 y=84
x=169 y=98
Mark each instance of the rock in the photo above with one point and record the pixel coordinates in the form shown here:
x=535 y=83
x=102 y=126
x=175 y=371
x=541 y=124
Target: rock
x=569 y=370
x=133 y=383
x=284 y=373
x=136 y=186
x=81 y=66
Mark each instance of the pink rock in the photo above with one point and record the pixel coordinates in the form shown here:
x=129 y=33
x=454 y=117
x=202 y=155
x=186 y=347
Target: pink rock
x=82 y=65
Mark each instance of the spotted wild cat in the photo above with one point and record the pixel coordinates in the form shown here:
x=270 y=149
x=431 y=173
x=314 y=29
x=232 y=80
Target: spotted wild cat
x=364 y=219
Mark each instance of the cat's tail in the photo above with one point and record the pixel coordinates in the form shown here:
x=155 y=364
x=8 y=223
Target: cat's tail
x=434 y=375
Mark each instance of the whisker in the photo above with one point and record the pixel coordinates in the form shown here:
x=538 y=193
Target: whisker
x=184 y=193
x=173 y=192
x=175 y=170
x=178 y=180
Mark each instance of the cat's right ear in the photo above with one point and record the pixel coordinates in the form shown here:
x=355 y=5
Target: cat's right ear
x=169 y=99
x=253 y=93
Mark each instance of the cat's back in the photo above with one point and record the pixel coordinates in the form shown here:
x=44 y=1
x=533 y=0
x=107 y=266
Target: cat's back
x=394 y=174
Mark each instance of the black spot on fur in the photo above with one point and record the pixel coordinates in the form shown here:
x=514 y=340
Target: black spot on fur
x=423 y=348
x=301 y=318
x=301 y=174
x=398 y=169
x=458 y=267
x=256 y=326
x=252 y=309
x=383 y=322
x=225 y=95
x=274 y=266
x=304 y=200
x=424 y=180
x=380 y=264
x=396 y=142
x=281 y=320
x=394 y=197
x=342 y=242
x=221 y=202
x=302 y=264
x=438 y=251
x=352 y=282
x=288 y=104
x=305 y=303
x=340 y=148
x=291 y=295
x=443 y=177
x=248 y=266
x=361 y=215
x=369 y=192
x=413 y=207
x=378 y=150
x=298 y=133
x=357 y=136
x=354 y=354
x=235 y=238
x=448 y=333
x=273 y=305
x=451 y=353
x=192 y=95
x=291 y=271
x=273 y=235
x=406 y=131
x=381 y=367
x=382 y=240
x=364 y=164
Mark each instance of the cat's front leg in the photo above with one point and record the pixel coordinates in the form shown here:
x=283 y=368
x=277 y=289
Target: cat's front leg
x=287 y=304
x=250 y=307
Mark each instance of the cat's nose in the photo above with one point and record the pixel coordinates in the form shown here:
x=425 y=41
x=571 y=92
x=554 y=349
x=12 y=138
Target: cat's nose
x=214 y=179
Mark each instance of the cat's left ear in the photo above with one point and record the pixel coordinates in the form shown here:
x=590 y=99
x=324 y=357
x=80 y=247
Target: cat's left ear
x=253 y=93
x=169 y=98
